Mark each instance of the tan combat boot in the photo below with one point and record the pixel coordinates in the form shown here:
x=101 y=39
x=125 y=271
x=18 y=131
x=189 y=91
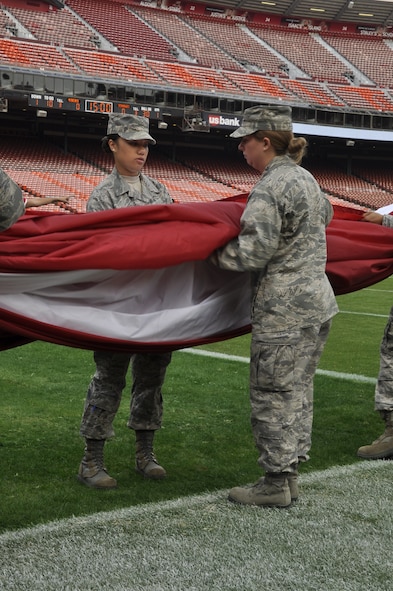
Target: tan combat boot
x=269 y=491
x=293 y=484
x=92 y=471
x=383 y=446
x=145 y=460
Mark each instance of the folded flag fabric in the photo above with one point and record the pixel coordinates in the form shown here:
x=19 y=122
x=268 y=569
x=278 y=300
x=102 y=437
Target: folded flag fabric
x=134 y=279
x=137 y=279
x=360 y=254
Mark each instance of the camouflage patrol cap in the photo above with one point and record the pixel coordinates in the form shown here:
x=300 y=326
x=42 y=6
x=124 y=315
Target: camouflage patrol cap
x=265 y=119
x=130 y=127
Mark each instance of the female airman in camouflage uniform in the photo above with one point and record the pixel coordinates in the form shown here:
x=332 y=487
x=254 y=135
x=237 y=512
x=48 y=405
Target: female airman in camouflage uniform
x=128 y=140
x=382 y=447
x=282 y=242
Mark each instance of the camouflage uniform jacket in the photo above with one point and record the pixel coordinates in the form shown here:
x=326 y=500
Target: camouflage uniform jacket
x=387 y=221
x=114 y=192
x=283 y=243
x=11 y=201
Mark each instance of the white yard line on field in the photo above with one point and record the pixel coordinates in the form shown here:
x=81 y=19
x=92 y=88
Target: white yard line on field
x=364 y=314
x=322 y=372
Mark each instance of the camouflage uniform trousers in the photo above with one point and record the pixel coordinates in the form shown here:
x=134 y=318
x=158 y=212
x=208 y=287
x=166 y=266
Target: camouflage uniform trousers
x=384 y=387
x=105 y=392
x=282 y=372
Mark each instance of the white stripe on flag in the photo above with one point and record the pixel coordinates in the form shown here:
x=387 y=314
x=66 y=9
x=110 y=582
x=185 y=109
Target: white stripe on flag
x=186 y=302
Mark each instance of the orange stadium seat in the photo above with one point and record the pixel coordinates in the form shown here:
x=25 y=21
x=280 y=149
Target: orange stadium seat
x=35 y=55
x=111 y=65
x=312 y=92
x=364 y=98
x=193 y=77
x=257 y=85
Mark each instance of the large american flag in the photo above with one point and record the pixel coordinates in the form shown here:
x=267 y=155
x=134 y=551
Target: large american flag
x=137 y=279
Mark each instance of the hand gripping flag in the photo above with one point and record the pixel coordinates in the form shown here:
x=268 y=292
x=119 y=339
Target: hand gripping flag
x=137 y=279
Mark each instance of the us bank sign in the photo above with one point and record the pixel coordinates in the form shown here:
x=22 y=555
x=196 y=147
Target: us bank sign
x=215 y=120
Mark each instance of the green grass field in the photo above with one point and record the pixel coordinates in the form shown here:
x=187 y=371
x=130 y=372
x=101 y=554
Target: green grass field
x=206 y=442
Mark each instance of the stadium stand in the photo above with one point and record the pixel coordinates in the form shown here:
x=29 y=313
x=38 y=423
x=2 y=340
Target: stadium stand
x=194 y=77
x=350 y=187
x=225 y=167
x=115 y=21
x=303 y=49
x=56 y=27
x=7 y=25
x=110 y=65
x=42 y=169
x=198 y=47
x=314 y=93
x=340 y=186
x=377 y=174
x=185 y=183
x=364 y=98
x=35 y=55
x=195 y=53
x=260 y=86
x=237 y=40
x=373 y=56
x=165 y=48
